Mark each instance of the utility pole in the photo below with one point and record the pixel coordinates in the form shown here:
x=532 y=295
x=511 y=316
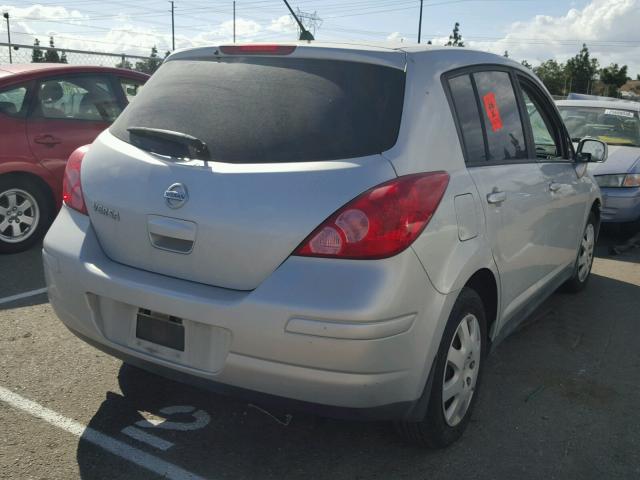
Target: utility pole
x=173 y=27
x=6 y=15
x=234 y=21
x=304 y=33
x=420 y=22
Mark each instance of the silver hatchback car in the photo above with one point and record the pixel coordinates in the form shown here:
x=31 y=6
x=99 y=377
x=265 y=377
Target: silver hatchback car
x=344 y=228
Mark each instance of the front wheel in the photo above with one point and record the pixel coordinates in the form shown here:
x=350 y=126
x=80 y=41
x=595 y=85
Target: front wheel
x=456 y=378
x=584 y=261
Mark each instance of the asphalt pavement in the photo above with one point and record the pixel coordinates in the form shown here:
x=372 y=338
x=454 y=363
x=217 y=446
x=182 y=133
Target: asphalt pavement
x=558 y=401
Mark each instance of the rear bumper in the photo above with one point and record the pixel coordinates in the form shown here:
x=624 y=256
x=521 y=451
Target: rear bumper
x=383 y=412
x=620 y=204
x=343 y=334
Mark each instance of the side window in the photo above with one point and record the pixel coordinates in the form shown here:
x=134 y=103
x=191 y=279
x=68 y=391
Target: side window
x=130 y=87
x=501 y=117
x=12 y=100
x=545 y=138
x=466 y=108
x=88 y=98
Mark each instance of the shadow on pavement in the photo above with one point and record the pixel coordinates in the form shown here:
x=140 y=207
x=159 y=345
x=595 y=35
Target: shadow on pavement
x=39 y=299
x=553 y=392
x=615 y=244
x=21 y=272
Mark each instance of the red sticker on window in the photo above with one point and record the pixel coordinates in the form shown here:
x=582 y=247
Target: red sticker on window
x=491 y=107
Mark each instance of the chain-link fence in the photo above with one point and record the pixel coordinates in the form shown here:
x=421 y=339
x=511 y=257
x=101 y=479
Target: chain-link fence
x=25 y=54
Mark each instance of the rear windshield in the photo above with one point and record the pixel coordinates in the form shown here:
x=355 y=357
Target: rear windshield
x=255 y=110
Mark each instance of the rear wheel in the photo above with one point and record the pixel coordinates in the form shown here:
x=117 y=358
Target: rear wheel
x=457 y=376
x=25 y=214
x=584 y=261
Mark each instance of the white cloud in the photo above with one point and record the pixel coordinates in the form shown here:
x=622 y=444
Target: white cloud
x=283 y=24
x=244 y=28
x=608 y=27
x=42 y=12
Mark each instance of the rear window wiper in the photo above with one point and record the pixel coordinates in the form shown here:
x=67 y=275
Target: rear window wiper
x=195 y=148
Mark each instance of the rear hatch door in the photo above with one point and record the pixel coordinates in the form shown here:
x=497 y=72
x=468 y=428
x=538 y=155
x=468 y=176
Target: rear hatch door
x=288 y=142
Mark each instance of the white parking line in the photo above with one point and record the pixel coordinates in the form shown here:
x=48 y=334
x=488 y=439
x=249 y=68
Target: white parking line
x=111 y=445
x=20 y=296
x=147 y=438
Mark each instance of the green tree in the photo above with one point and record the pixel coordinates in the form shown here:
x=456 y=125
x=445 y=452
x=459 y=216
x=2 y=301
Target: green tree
x=524 y=63
x=581 y=71
x=63 y=57
x=613 y=78
x=455 y=39
x=151 y=64
x=506 y=54
x=552 y=75
x=36 y=54
x=51 y=56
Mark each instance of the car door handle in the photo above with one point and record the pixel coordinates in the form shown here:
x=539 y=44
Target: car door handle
x=496 y=196
x=554 y=187
x=47 y=140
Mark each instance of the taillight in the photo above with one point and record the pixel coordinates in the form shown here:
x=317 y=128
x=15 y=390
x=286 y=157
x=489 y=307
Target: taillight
x=381 y=222
x=257 y=49
x=71 y=185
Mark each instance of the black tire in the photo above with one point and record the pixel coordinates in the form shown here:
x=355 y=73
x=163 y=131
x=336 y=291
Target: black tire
x=433 y=431
x=578 y=282
x=43 y=204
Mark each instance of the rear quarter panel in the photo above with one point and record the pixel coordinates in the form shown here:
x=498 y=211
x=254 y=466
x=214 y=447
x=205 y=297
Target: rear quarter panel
x=428 y=141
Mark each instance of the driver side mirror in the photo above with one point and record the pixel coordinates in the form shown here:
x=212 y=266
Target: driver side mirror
x=591 y=150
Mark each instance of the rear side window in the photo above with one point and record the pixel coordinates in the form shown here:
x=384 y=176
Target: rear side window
x=255 y=110
x=12 y=100
x=466 y=107
x=501 y=116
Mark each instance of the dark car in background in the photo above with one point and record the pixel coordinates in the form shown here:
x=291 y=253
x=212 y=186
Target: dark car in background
x=46 y=112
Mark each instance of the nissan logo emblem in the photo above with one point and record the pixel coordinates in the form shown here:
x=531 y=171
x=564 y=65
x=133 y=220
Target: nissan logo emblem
x=176 y=195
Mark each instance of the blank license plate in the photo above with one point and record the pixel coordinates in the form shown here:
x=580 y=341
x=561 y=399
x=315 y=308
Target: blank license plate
x=161 y=329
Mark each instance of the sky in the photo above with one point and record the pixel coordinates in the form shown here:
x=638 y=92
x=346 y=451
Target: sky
x=532 y=30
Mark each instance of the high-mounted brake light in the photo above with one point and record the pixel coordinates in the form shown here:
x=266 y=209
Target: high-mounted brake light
x=258 y=49
x=71 y=185
x=381 y=222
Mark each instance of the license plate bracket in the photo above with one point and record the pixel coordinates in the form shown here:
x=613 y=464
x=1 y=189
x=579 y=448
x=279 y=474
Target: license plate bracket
x=161 y=329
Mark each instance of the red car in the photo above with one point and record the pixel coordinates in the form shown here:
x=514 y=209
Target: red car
x=46 y=112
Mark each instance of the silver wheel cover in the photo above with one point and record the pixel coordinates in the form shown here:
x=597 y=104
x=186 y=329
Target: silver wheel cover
x=461 y=370
x=585 y=255
x=19 y=215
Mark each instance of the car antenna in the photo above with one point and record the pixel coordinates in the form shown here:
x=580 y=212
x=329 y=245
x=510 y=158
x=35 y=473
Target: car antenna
x=304 y=33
